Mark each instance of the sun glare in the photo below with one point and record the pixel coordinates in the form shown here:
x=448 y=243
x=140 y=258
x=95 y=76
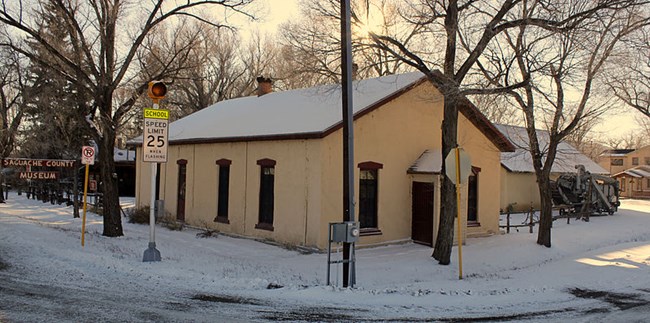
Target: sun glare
x=371 y=22
x=626 y=258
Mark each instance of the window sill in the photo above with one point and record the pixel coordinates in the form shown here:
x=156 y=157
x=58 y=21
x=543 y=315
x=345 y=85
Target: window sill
x=473 y=224
x=222 y=220
x=369 y=232
x=264 y=226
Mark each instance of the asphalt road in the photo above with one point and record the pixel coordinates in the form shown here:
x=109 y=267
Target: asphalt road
x=28 y=299
x=25 y=299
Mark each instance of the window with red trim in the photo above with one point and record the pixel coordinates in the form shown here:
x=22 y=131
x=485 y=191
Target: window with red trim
x=223 y=190
x=368 y=194
x=266 y=202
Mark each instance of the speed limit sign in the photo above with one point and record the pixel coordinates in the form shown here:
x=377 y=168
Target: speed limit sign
x=88 y=155
x=154 y=144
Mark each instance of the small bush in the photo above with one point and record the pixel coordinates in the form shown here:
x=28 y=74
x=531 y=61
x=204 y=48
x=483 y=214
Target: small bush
x=139 y=215
x=171 y=223
x=207 y=233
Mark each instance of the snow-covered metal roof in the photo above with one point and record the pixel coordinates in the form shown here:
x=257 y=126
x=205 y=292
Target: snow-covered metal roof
x=123 y=155
x=303 y=113
x=429 y=162
x=616 y=152
x=293 y=112
x=521 y=161
x=637 y=172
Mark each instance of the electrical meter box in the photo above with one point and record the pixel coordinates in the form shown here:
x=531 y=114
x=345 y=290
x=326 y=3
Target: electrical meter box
x=345 y=232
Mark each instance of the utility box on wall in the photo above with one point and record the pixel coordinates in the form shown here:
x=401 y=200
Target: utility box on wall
x=159 y=209
x=345 y=232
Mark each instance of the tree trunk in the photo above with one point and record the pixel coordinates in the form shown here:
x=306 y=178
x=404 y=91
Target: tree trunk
x=75 y=191
x=546 y=212
x=2 y=193
x=445 y=237
x=111 y=199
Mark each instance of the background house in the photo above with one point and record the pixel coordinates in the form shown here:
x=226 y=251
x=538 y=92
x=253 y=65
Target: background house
x=615 y=160
x=518 y=181
x=634 y=182
x=270 y=166
x=631 y=167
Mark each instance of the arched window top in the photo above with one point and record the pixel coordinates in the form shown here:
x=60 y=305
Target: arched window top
x=223 y=162
x=370 y=165
x=181 y=162
x=266 y=162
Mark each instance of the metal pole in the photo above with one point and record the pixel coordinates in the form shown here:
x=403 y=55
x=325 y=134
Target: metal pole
x=329 y=252
x=348 y=142
x=152 y=254
x=459 y=224
x=152 y=208
x=83 y=220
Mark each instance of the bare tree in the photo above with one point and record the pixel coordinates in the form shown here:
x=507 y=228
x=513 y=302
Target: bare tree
x=583 y=137
x=310 y=47
x=467 y=28
x=13 y=91
x=259 y=57
x=213 y=71
x=629 y=77
x=644 y=123
x=497 y=108
x=103 y=37
x=556 y=62
x=633 y=139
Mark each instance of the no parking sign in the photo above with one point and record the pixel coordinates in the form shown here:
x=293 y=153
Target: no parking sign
x=88 y=155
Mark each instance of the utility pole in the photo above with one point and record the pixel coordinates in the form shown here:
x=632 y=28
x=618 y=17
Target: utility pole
x=349 y=276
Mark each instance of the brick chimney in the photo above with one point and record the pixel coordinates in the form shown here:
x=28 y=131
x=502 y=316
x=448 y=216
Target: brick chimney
x=264 y=85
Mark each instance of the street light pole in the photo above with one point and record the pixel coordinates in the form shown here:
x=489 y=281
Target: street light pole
x=349 y=276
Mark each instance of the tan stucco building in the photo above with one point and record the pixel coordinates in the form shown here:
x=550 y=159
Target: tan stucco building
x=631 y=167
x=519 y=188
x=270 y=166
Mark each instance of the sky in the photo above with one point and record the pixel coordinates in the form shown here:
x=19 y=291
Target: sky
x=272 y=13
x=619 y=123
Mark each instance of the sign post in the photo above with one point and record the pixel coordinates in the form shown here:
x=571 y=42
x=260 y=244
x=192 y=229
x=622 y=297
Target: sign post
x=154 y=150
x=87 y=158
x=458 y=166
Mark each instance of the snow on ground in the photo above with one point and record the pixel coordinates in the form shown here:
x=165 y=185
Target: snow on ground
x=597 y=270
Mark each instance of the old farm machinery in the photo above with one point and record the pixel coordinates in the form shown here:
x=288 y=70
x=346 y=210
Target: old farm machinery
x=584 y=194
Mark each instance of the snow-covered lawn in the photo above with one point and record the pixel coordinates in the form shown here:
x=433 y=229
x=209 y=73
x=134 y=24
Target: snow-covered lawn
x=595 y=270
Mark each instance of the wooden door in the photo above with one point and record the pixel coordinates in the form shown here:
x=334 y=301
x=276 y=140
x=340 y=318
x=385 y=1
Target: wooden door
x=422 y=213
x=182 y=181
x=472 y=199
